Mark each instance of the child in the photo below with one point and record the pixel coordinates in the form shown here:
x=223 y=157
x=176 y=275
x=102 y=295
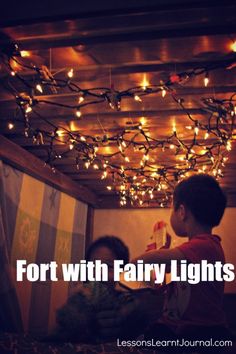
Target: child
x=193 y=311
x=98 y=312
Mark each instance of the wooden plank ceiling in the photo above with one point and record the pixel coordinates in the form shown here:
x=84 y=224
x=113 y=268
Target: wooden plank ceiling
x=144 y=47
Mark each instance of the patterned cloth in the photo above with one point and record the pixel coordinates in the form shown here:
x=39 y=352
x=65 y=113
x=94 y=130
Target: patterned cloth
x=40 y=224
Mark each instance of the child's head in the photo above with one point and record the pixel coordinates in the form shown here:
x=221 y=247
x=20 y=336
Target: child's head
x=107 y=249
x=199 y=197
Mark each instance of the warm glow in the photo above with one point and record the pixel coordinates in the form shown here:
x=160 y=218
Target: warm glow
x=78 y=113
x=24 y=53
x=206 y=81
x=163 y=92
x=60 y=132
x=39 y=88
x=81 y=99
x=143 y=120
x=145 y=82
x=70 y=73
x=137 y=98
x=72 y=126
x=174 y=128
x=28 y=109
x=233 y=46
x=10 y=126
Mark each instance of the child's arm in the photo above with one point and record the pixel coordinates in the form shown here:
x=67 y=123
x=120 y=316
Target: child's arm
x=160 y=256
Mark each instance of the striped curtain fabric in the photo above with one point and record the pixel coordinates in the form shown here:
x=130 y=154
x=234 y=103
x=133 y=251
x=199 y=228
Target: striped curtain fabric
x=41 y=224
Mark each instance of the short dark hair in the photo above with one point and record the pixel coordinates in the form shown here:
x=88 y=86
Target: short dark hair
x=116 y=245
x=202 y=195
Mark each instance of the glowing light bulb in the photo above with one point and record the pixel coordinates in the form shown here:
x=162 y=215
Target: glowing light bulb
x=81 y=99
x=28 y=109
x=78 y=113
x=163 y=92
x=39 y=88
x=206 y=136
x=137 y=98
x=233 y=46
x=24 y=53
x=172 y=146
x=60 y=133
x=109 y=188
x=127 y=159
x=206 y=80
x=10 y=126
x=144 y=82
x=70 y=73
x=228 y=146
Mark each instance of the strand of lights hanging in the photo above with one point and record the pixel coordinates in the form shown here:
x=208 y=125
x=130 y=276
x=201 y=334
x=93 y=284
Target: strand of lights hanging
x=204 y=149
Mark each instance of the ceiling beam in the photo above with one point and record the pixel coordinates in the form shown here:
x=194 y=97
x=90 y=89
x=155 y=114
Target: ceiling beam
x=28 y=163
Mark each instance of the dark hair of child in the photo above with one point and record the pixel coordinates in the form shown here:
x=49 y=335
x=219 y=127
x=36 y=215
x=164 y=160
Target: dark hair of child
x=114 y=244
x=203 y=196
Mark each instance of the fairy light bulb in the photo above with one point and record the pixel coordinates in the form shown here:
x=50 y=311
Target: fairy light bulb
x=174 y=128
x=81 y=99
x=10 y=126
x=78 y=113
x=39 y=88
x=104 y=175
x=24 y=53
x=28 y=109
x=206 y=135
x=127 y=159
x=206 y=79
x=95 y=166
x=137 y=98
x=109 y=188
x=13 y=73
x=172 y=146
x=146 y=157
x=228 y=146
x=144 y=82
x=163 y=92
x=70 y=73
x=233 y=46
x=196 y=130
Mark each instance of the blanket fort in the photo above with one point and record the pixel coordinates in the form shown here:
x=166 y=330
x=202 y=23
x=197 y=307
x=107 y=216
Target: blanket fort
x=98 y=271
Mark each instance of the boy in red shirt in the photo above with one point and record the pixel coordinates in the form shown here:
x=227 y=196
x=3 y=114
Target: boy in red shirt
x=193 y=310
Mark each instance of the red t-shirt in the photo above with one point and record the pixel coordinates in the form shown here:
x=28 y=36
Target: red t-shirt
x=196 y=304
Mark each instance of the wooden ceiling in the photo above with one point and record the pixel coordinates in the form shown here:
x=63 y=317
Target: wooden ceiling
x=121 y=44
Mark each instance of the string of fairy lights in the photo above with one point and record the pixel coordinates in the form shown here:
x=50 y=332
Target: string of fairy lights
x=203 y=149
